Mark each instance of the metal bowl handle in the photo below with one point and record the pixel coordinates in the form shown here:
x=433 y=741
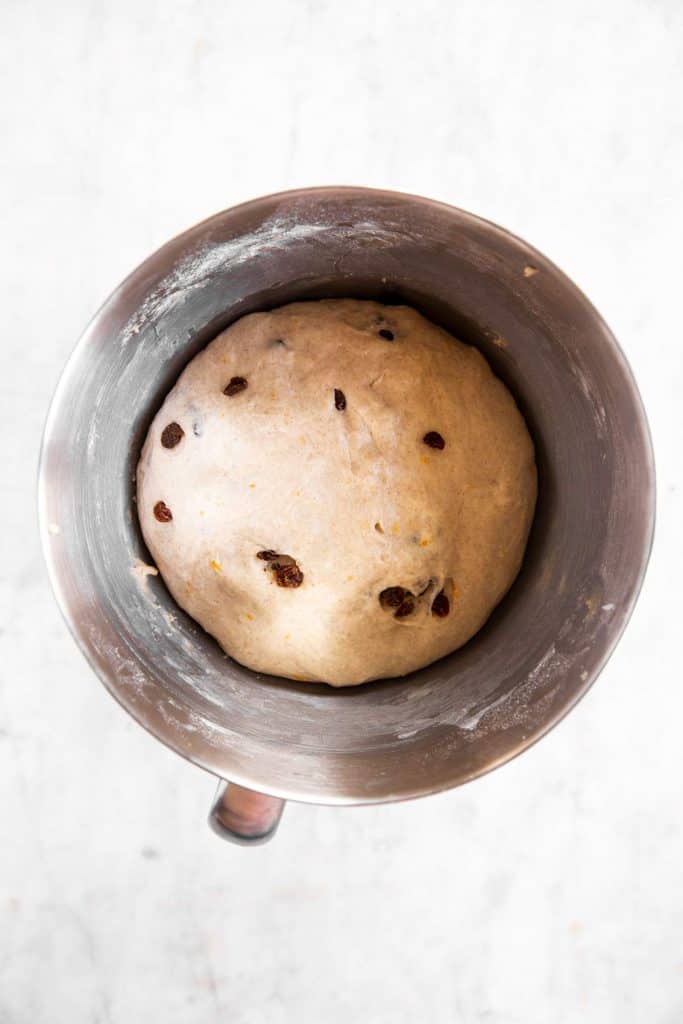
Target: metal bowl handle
x=242 y=816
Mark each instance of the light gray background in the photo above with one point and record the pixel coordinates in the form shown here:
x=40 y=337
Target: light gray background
x=551 y=890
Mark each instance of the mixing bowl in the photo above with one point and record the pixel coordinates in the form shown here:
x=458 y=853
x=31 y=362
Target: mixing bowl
x=545 y=643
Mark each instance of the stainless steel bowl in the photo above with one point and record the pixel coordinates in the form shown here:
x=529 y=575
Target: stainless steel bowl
x=547 y=641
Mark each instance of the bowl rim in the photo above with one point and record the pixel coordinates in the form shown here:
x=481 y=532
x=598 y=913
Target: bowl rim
x=207 y=757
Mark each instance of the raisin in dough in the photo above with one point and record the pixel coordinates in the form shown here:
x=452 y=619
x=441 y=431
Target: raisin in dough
x=337 y=491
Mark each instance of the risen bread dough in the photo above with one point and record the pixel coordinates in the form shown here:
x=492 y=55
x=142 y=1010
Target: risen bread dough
x=337 y=491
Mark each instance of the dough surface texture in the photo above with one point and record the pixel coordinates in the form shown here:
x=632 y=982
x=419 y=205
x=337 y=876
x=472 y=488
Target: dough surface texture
x=337 y=491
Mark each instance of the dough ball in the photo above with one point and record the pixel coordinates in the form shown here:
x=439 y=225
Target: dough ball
x=337 y=491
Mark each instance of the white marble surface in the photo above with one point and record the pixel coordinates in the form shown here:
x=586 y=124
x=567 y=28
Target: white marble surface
x=550 y=890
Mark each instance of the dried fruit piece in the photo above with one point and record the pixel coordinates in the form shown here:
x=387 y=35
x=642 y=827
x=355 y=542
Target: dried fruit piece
x=288 y=575
x=441 y=606
x=339 y=399
x=172 y=435
x=281 y=560
x=434 y=440
x=235 y=385
x=385 y=333
x=392 y=597
x=162 y=512
x=399 y=600
x=405 y=608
